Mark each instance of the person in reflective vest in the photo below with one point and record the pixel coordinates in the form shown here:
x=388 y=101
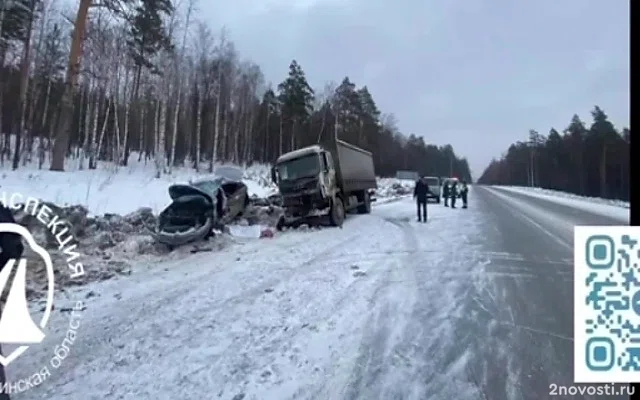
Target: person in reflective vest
x=453 y=193
x=464 y=190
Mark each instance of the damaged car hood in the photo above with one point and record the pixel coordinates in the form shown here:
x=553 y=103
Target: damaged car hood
x=180 y=190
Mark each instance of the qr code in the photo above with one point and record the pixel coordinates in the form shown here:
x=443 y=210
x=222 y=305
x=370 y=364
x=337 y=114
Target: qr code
x=606 y=304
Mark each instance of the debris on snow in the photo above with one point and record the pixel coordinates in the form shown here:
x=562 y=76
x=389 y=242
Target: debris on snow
x=110 y=244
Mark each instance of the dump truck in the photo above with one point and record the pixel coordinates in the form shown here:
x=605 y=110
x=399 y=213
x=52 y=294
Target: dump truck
x=324 y=181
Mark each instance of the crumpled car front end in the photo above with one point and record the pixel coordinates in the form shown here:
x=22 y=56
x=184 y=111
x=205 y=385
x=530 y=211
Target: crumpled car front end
x=190 y=217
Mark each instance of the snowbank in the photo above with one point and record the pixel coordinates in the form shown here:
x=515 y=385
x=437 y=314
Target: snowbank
x=390 y=189
x=111 y=208
x=616 y=209
x=111 y=189
x=123 y=190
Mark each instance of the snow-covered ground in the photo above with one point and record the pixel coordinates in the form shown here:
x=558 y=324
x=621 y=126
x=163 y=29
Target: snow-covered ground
x=617 y=209
x=110 y=190
x=114 y=244
x=380 y=309
x=309 y=314
x=123 y=190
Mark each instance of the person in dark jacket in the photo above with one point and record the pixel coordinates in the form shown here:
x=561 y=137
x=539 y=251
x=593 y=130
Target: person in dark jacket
x=453 y=193
x=12 y=248
x=420 y=194
x=445 y=193
x=464 y=190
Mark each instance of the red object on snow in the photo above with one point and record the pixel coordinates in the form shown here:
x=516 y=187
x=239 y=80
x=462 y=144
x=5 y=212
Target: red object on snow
x=266 y=233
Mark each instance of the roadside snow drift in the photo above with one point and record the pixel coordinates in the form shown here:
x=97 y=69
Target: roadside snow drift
x=616 y=209
x=110 y=210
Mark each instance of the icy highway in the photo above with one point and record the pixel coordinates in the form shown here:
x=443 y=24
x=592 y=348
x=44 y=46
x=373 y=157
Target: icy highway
x=474 y=304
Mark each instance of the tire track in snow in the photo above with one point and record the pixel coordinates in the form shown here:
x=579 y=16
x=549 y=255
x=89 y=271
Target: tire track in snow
x=373 y=359
x=416 y=349
x=338 y=317
x=126 y=318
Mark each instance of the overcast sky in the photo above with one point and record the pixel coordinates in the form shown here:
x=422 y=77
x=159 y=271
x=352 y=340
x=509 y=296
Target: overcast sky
x=474 y=73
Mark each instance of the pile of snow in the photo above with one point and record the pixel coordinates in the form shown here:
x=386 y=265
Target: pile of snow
x=548 y=193
x=110 y=209
x=95 y=237
x=392 y=188
x=111 y=244
x=258 y=181
x=114 y=189
x=615 y=209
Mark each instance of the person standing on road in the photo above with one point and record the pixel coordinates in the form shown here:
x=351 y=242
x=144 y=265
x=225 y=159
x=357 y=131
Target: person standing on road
x=420 y=195
x=445 y=193
x=464 y=190
x=453 y=193
x=12 y=248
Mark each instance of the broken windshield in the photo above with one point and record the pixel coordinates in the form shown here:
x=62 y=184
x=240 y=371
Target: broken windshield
x=302 y=167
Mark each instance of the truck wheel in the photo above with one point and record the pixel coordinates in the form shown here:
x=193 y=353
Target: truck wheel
x=438 y=200
x=365 y=207
x=337 y=212
x=280 y=224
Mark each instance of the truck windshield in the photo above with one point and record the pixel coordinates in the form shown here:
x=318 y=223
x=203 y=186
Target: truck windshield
x=299 y=168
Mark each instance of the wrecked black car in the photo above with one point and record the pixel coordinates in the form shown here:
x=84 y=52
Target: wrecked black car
x=201 y=206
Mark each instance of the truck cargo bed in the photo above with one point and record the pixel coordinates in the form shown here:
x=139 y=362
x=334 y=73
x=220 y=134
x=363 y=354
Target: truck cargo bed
x=354 y=167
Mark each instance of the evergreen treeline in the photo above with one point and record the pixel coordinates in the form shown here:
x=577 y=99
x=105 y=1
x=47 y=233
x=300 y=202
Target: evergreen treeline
x=142 y=76
x=586 y=160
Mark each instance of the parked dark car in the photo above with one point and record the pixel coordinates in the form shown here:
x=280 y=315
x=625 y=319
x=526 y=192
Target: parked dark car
x=200 y=206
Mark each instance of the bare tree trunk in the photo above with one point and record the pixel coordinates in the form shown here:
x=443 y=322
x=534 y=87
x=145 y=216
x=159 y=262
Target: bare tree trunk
x=142 y=107
x=115 y=154
x=225 y=133
x=156 y=135
x=61 y=144
x=88 y=109
x=198 y=130
x=94 y=130
x=127 y=105
x=280 y=137
x=161 y=157
x=178 y=82
x=24 y=84
x=45 y=111
x=104 y=129
x=6 y=138
x=236 y=136
x=41 y=142
x=265 y=150
x=210 y=121
x=216 y=126
x=125 y=138
x=293 y=134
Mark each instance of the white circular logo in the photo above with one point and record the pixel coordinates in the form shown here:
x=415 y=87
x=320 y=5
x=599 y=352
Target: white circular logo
x=17 y=326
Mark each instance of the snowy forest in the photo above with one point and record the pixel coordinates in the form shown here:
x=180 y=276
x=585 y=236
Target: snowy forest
x=586 y=159
x=109 y=79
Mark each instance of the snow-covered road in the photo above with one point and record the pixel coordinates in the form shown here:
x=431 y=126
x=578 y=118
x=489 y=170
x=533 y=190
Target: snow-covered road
x=472 y=305
x=334 y=313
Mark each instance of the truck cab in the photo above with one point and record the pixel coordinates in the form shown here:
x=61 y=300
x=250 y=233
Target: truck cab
x=306 y=181
x=324 y=180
